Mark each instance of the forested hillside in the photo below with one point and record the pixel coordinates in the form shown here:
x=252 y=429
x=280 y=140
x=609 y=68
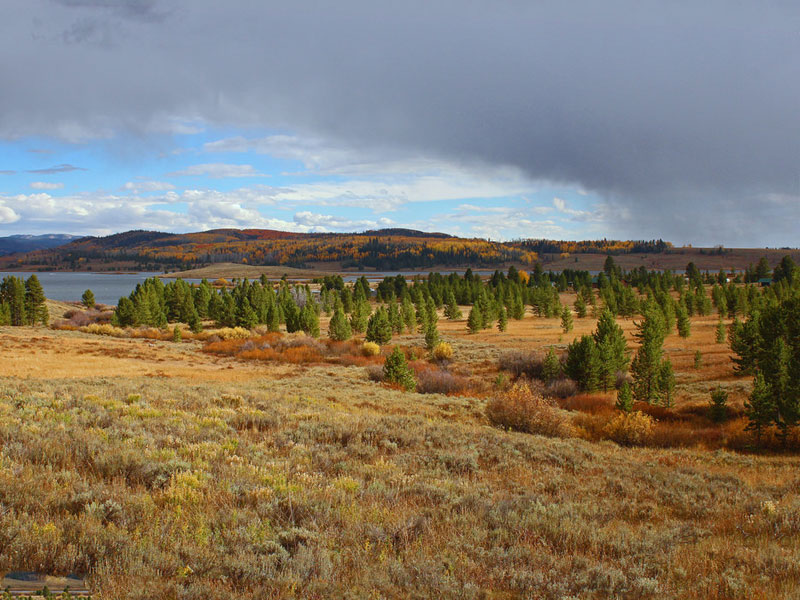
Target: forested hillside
x=383 y=249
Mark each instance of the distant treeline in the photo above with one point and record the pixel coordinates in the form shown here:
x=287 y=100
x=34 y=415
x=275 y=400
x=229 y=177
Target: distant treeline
x=603 y=246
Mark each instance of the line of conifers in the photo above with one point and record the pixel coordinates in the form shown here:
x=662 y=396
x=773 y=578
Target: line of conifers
x=766 y=344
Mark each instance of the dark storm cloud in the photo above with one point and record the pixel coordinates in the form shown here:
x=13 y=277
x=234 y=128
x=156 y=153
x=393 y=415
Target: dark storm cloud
x=660 y=107
x=144 y=10
x=57 y=169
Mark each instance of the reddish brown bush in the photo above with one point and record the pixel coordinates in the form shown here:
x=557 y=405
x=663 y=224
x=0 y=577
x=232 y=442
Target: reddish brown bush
x=301 y=354
x=561 y=388
x=522 y=363
x=526 y=410
x=594 y=404
x=439 y=381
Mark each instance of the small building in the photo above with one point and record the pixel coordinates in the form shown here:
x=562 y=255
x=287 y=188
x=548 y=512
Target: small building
x=765 y=282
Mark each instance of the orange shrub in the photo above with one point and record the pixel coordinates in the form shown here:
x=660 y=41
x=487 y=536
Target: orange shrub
x=526 y=410
x=588 y=403
x=301 y=354
x=259 y=354
x=357 y=360
x=678 y=434
x=630 y=429
x=224 y=347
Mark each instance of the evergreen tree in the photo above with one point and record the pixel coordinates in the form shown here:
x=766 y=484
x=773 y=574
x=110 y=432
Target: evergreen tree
x=786 y=270
x=379 y=330
x=12 y=293
x=517 y=307
x=395 y=318
x=452 y=311
x=339 y=328
x=762 y=270
x=397 y=371
x=409 y=316
x=610 y=268
x=432 y=315
x=721 y=331
x=474 y=323
x=309 y=318
x=551 y=367
x=195 y=324
x=580 y=306
x=666 y=382
x=275 y=316
x=5 y=314
x=566 y=319
x=346 y=296
x=327 y=302
x=202 y=298
x=719 y=299
x=244 y=315
x=359 y=316
x=35 y=307
x=746 y=342
x=88 y=299
x=125 y=314
x=684 y=325
x=431 y=335
x=502 y=319
x=646 y=365
x=698 y=359
x=760 y=409
x=624 y=398
x=227 y=310
x=583 y=363
x=612 y=348
x=718 y=407
x=177 y=336
x=778 y=364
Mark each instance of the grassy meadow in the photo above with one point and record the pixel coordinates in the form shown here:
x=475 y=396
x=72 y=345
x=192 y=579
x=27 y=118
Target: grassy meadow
x=184 y=470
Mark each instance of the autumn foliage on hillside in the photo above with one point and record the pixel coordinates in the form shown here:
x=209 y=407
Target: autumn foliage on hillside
x=384 y=249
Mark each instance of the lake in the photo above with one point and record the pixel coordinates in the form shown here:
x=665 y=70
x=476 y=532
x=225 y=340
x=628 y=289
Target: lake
x=69 y=287
x=108 y=288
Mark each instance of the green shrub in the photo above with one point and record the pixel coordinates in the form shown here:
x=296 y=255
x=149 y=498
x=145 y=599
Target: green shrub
x=396 y=371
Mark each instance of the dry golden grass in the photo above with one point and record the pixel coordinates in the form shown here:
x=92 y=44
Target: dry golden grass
x=233 y=270
x=161 y=471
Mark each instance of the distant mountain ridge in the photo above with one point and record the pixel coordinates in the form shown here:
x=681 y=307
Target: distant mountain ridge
x=26 y=243
x=382 y=249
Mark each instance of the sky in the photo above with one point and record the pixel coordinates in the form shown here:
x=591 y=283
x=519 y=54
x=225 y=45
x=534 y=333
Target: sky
x=504 y=119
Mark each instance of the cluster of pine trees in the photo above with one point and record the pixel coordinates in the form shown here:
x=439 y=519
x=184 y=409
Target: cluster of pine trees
x=767 y=347
x=598 y=361
x=246 y=305
x=22 y=301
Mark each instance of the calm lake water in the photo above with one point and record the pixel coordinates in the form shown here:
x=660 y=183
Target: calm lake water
x=69 y=287
x=108 y=288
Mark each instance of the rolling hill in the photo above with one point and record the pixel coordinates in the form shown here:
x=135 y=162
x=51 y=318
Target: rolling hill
x=26 y=243
x=384 y=249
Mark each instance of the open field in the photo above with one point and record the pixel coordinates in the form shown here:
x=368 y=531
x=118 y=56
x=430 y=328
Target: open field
x=231 y=270
x=706 y=259
x=158 y=470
